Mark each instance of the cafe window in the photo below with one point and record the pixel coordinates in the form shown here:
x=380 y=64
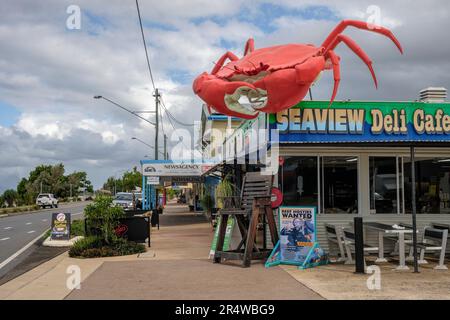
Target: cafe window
x=384 y=185
x=328 y=183
x=298 y=181
x=432 y=185
x=339 y=184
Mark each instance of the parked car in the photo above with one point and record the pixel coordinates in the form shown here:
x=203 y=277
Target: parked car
x=46 y=200
x=125 y=200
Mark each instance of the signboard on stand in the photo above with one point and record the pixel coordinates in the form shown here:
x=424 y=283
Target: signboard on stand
x=227 y=239
x=61 y=223
x=297 y=244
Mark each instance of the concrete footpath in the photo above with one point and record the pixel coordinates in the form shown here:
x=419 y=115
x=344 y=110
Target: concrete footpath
x=175 y=267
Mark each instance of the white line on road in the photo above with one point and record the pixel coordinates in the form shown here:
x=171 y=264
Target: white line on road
x=7 y=228
x=44 y=220
x=28 y=223
x=4 y=239
x=32 y=231
x=15 y=255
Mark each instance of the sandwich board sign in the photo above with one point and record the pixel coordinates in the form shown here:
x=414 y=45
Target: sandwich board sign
x=297 y=244
x=227 y=239
x=61 y=223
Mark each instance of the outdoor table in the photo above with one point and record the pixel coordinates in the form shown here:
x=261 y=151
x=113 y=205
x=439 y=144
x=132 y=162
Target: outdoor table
x=383 y=229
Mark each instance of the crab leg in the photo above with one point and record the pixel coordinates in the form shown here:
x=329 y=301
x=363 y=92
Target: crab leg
x=219 y=64
x=336 y=73
x=249 y=46
x=360 y=25
x=356 y=49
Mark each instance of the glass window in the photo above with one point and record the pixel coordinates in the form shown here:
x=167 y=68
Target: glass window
x=432 y=185
x=339 y=184
x=298 y=181
x=383 y=185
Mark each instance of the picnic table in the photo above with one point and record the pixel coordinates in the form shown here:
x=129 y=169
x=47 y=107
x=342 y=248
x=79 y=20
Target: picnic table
x=384 y=229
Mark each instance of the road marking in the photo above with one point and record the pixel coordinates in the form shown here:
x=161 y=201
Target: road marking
x=15 y=255
x=77 y=214
x=28 y=223
x=44 y=220
x=3 y=239
x=7 y=228
x=32 y=231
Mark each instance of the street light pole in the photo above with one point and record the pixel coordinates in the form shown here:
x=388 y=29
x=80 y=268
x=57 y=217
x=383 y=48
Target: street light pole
x=156 y=95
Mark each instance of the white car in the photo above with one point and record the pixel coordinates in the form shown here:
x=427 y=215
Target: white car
x=125 y=200
x=46 y=200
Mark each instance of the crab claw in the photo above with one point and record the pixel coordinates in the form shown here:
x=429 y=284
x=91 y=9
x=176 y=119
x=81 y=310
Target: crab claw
x=225 y=95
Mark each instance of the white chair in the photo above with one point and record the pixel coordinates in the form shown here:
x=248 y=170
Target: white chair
x=335 y=236
x=433 y=240
x=349 y=242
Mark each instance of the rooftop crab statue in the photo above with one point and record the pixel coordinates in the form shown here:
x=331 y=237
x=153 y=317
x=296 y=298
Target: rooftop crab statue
x=277 y=78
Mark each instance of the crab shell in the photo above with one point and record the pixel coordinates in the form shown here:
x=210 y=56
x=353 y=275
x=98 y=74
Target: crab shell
x=271 y=79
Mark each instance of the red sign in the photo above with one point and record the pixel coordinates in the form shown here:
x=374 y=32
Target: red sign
x=277 y=198
x=120 y=230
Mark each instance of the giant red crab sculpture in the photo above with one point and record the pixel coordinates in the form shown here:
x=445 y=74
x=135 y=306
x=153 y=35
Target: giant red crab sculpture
x=276 y=78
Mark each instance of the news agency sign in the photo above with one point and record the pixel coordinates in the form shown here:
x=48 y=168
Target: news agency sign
x=172 y=169
x=347 y=121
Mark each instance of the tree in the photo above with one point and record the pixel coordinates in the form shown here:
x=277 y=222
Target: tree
x=52 y=179
x=131 y=180
x=22 y=191
x=109 y=184
x=2 y=201
x=10 y=196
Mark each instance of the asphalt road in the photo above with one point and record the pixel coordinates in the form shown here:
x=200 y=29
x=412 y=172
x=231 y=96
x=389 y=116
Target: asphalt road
x=18 y=231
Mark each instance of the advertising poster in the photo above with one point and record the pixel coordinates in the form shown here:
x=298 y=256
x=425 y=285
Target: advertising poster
x=297 y=233
x=60 y=226
x=297 y=245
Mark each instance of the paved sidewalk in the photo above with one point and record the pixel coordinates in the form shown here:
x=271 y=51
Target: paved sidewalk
x=175 y=267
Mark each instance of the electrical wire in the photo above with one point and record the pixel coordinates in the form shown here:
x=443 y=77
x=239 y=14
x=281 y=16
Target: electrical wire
x=173 y=117
x=145 y=45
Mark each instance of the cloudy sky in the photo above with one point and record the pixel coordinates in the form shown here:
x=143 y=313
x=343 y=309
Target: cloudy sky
x=49 y=73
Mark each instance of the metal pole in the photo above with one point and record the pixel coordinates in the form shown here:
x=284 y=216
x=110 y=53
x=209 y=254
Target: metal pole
x=165 y=147
x=413 y=208
x=359 y=245
x=156 y=95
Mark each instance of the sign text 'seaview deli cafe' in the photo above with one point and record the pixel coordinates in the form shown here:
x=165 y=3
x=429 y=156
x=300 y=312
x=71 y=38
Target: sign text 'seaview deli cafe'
x=353 y=158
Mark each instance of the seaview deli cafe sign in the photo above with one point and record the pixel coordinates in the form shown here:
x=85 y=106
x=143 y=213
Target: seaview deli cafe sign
x=315 y=121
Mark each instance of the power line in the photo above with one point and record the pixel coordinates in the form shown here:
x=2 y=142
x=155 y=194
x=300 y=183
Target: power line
x=145 y=45
x=173 y=117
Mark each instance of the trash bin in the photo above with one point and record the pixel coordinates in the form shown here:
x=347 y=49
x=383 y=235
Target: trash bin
x=155 y=218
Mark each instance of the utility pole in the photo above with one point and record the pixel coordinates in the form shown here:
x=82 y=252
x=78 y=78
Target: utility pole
x=165 y=147
x=156 y=95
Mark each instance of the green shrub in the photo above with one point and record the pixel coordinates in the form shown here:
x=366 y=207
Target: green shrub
x=77 y=228
x=83 y=244
x=124 y=247
x=94 y=247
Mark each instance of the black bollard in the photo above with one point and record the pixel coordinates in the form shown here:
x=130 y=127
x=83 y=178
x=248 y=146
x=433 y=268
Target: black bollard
x=359 y=245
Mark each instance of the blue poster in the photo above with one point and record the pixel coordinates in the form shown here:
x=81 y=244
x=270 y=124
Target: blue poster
x=297 y=244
